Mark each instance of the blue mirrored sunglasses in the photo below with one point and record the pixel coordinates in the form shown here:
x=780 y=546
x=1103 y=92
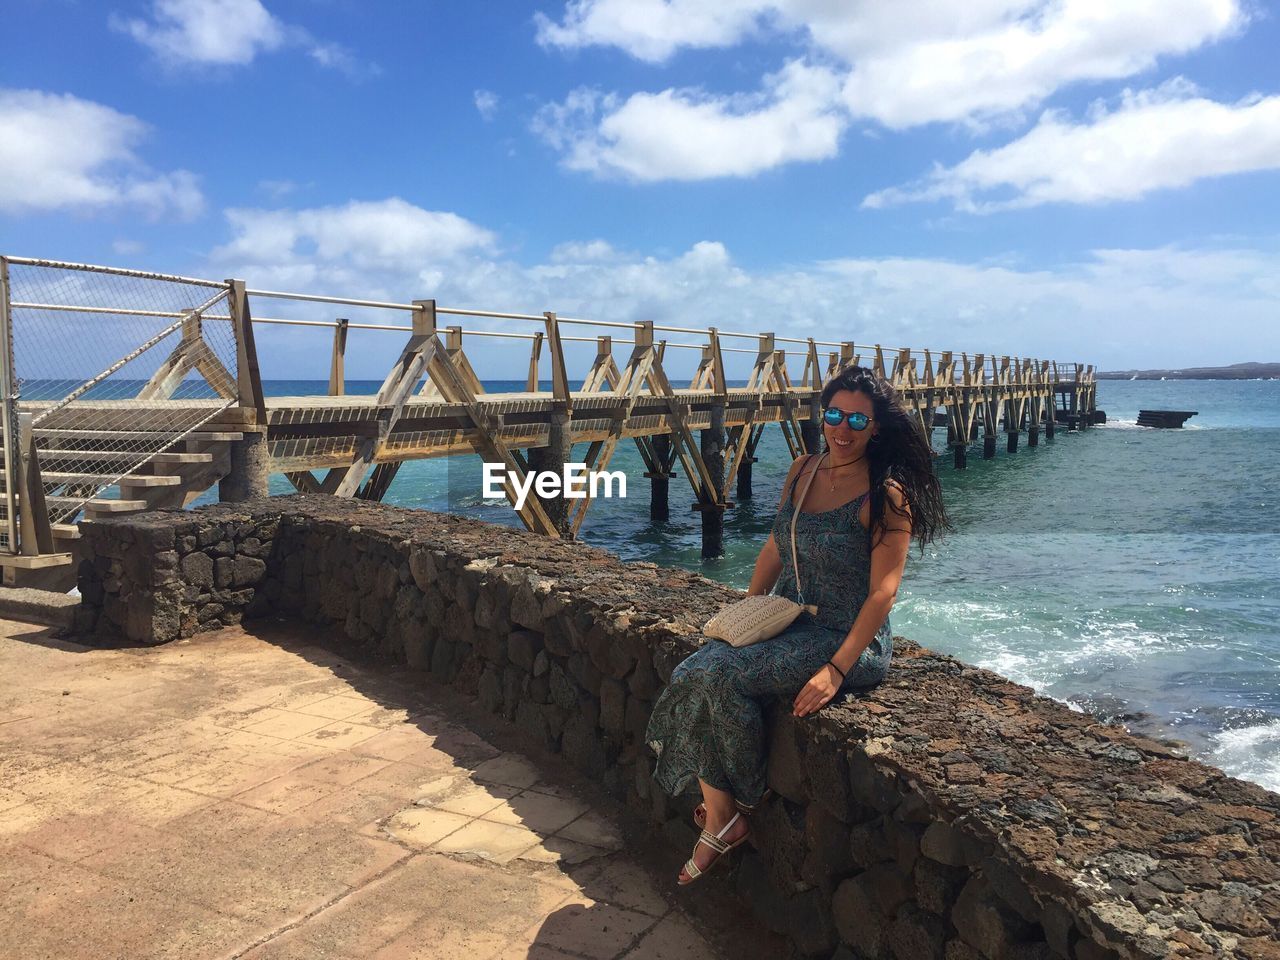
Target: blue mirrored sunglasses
x=834 y=416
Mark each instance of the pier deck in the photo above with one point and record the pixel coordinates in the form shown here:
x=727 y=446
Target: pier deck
x=148 y=388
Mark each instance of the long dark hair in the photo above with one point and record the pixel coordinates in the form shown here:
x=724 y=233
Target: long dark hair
x=900 y=452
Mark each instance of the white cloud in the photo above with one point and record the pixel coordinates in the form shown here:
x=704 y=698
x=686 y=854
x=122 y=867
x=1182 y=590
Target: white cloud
x=598 y=251
x=651 y=30
x=60 y=152
x=922 y=62
x=335 y=56
x=1101 y=309
x=277 y=189
x=486 y=103
x=1002 y=56
x=220 y=32
x=228 y=33
x=1153 y=140
x=340 y=244
x=126 y=247
x=690 y=135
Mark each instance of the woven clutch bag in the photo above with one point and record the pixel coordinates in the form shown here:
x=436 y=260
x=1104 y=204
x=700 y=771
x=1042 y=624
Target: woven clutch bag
x=753 y=619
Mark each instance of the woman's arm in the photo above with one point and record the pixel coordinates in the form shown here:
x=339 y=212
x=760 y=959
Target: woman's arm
x=769 y=562
x=888 y=560
x=768 y=569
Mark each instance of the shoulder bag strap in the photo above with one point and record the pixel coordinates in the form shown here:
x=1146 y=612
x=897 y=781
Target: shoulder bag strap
x=795 y=515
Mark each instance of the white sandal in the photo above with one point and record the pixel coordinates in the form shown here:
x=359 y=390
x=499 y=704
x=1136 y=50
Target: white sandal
x=718 y=844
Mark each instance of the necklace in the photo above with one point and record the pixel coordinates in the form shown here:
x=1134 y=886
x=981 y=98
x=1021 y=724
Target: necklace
x=831 y=470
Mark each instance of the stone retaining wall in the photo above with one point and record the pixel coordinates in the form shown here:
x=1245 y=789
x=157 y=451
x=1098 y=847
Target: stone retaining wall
x=948 y=814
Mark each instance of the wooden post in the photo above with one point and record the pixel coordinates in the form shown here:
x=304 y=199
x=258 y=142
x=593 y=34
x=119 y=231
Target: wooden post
x=1037 y=369
x=250 y=461
x=248 y=378
x=1010 y=386
x=811 y=426
x=35 y=536
x=559 y=376
x=531 y=385
x=748 y=458
x=744 y=476
x=660 y=479
x=712 y=446
x=337 y=365
x=812 y=368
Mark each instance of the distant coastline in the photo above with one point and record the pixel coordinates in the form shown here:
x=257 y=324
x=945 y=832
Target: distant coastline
x=1237 y=371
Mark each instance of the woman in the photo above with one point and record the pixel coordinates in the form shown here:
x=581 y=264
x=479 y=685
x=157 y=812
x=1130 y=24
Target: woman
x=864 y=497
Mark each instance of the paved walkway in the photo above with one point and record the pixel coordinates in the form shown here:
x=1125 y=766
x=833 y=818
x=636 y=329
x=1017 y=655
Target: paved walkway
x=247 y=796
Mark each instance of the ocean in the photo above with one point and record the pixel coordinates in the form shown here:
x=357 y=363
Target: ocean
x=1131 y=572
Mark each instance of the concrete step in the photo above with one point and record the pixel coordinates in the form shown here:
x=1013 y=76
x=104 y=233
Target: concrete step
x=105 y=479
x=51 y=456
x=44 y=607
x=149 y=480
x=115 y=506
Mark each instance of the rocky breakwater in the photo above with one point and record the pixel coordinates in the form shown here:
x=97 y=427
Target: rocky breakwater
x=948 y=814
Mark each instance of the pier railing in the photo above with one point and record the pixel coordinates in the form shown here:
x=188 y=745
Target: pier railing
x=124 y=380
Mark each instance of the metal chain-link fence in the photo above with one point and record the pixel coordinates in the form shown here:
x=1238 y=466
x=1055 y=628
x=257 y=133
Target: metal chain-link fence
x=111 y=368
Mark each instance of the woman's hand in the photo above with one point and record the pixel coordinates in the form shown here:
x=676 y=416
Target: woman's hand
x=818 y=692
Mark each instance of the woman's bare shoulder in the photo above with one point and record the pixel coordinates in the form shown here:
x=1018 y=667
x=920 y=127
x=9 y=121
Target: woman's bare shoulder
x=798 y=466
x=895 y=495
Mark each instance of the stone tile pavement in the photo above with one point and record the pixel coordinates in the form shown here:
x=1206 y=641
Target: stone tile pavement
x=251 y=795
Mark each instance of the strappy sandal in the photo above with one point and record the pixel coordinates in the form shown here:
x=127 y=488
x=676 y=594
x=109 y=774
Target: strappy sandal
x=718 y=844
x=700 y=811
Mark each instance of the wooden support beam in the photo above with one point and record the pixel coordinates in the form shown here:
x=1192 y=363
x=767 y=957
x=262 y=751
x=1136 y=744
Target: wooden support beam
x=704 y=487
x=718 y=383
x=414 y=362
x=191 y=353
x=627 y=389
x=712 y=447
x=248 y=377
x=304 y=481
x=531 y=385
x=812 y=370
x=660 y=479
x=487 y=442
x=337 y=362
x=35 y=535
x=559 y=376
x=604 y=374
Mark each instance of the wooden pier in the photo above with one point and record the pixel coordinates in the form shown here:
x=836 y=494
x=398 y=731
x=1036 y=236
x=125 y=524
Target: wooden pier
x=161 y=417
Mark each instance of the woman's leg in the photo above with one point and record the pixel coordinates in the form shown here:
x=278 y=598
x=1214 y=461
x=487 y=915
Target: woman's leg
x=720 y=810
x=703 y=729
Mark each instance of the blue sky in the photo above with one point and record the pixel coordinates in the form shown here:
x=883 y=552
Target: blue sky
x=1050 y=179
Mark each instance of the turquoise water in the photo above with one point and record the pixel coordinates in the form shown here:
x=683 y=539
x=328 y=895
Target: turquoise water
x=1128 y=571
